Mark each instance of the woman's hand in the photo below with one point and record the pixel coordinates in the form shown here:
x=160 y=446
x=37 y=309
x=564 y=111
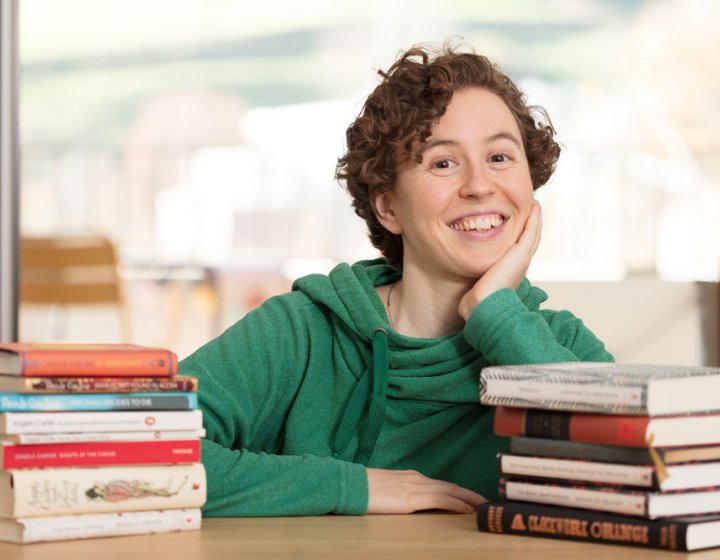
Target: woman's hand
x=510 y=269
x=409 y=491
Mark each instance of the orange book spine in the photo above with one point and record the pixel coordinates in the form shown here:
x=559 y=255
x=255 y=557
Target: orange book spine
x=150 y=362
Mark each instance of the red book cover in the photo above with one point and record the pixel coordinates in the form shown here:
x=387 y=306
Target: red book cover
x=99 y=453
x=605 y=429
x=81 y=360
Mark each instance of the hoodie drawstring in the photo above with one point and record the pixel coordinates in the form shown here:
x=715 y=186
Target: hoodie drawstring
x=373 y=385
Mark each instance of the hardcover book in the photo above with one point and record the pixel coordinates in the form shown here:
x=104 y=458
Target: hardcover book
x=178 y=383
x=612 y=453
x=98 y=453
x=630 y=431
x=673 y=477
x=82 y=360
x=531 y=520
x=610 y=388
x=43 y=492
x=14 y=402
x=613 y=499
x=66 y=527
x=123 y=421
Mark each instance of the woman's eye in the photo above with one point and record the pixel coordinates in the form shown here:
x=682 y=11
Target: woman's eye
x=443 y=164
x=499 y=158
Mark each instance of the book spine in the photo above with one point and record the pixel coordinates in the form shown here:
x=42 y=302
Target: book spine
x=630 y=431
x=67 y=527
x=125 y=421
x=528 y=520
x=99 y=454
x=14 y=402
x=553 y=394
x=552 y=468
x=150 y=362
x=187 y=384
x=175 y=435
x=578 y=450
x=43 y=492
x=600 y=499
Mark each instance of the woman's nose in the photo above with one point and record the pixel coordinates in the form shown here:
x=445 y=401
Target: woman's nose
x=476 y=182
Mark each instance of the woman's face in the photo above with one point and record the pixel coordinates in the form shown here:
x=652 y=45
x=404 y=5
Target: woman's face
x=465 y=204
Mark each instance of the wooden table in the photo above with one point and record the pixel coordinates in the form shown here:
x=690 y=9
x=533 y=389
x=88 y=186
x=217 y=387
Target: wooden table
x=431 y=536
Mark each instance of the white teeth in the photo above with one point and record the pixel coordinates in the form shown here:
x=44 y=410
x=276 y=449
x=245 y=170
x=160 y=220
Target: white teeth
x=482 y=224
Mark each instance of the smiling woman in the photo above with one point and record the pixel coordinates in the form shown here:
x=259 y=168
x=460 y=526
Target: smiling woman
x=462 y=206
x=357 y=392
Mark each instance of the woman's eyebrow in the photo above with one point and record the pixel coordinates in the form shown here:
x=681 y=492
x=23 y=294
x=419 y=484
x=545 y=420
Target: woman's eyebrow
x=437 y=142
x=504 y=136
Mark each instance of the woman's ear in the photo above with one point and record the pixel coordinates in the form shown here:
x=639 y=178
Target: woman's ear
x=382 y=204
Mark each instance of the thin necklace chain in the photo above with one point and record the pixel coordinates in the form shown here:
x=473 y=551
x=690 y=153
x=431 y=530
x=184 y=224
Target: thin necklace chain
x=387 y=305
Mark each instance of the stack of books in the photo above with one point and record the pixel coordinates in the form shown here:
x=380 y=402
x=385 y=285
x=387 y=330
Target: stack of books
x=97 y=440
x=605 y=452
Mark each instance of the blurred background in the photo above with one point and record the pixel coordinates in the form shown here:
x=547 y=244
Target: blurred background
x=201 y=137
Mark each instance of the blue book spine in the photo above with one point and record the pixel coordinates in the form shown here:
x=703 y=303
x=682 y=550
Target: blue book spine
x=13 y=402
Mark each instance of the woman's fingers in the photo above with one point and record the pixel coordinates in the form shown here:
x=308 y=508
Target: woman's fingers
x=409 y=491
x=510 y=269
x=530 y=238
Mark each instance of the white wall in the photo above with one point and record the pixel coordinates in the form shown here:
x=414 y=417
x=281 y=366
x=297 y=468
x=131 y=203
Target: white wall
x=643 y=319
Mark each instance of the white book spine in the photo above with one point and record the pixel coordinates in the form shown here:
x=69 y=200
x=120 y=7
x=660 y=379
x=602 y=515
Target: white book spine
x=588 y=471
x=73 y=437
x=529 y=391
x=105 y=421
x=67 y=527
x=616 y=502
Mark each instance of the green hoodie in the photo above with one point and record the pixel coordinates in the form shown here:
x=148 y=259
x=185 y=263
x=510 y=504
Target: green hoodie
x=314 y=385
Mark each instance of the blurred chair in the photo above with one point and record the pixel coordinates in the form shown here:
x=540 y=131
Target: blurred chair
x=71 y=271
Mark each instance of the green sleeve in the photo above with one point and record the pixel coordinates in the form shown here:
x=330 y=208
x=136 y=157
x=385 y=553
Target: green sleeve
x=505 y=331
x=248 y=378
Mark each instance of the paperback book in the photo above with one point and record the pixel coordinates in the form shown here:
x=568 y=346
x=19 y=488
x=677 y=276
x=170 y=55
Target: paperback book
x=177 y=383
x=69 y=437
x=98 y=453
x=26 y=530
x=81 y=360
x=66 y=491
x=605 y=387
x=14 y=402
x=99 y=421
x=531 y=520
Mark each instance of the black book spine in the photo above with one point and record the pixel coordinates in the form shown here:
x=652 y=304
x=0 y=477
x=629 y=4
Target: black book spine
x=529 y=520
x=577 y=450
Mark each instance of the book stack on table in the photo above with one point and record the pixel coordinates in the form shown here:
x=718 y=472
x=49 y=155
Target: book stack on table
x=611 y=453
x=97 y=440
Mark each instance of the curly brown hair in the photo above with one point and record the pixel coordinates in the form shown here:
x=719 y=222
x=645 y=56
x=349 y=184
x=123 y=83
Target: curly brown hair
x=398 y=117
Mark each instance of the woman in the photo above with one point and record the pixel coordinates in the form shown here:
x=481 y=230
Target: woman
x=357 y=392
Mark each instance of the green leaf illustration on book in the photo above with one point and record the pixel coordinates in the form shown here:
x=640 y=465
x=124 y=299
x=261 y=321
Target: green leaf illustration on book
x=121 y=490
